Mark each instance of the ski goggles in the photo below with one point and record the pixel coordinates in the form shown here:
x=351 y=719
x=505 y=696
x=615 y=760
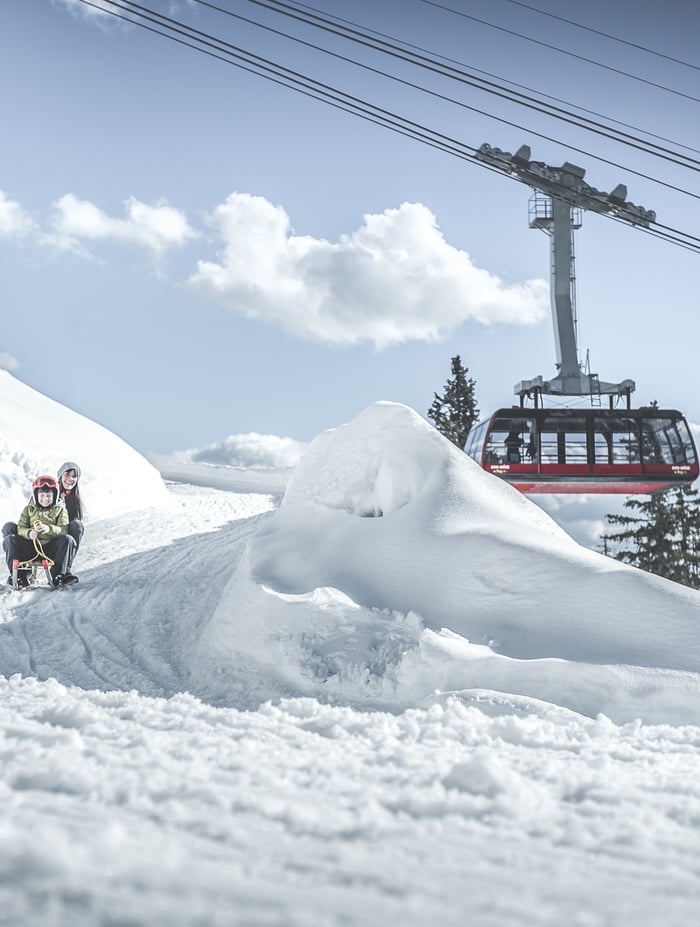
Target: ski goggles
x=45 y=483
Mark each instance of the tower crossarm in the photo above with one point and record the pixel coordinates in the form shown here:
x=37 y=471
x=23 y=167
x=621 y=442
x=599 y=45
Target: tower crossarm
x=566 y=183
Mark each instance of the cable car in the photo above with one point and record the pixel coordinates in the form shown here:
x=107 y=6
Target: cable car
x=588 y=450
x=577 y=450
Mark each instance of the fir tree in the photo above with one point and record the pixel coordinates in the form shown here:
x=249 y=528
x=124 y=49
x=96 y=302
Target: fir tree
x=687 y=512
x=454 y=413
x=663 y=538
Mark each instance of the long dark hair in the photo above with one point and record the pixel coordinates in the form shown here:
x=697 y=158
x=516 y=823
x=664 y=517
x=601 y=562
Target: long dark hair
x=73 y=502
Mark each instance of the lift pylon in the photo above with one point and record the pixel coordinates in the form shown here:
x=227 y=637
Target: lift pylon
x=565 y=194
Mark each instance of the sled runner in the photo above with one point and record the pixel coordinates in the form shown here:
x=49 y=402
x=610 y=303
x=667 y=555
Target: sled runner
x=26 y=574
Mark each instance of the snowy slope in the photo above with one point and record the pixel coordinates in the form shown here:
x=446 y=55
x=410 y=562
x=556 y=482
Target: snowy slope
x=350 y=706
x=393 y=568
x=38 y=434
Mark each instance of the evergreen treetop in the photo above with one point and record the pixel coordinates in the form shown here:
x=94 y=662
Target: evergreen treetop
x=455 y=411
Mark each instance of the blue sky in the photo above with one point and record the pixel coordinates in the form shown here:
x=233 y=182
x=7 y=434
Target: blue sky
x=186 y=247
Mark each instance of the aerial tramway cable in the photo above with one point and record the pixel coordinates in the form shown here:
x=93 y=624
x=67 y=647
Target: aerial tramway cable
x=260 y=66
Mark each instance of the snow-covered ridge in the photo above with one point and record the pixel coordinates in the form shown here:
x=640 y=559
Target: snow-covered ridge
x=38 y=434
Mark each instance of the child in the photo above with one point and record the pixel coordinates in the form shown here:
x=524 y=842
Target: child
x=44 y=521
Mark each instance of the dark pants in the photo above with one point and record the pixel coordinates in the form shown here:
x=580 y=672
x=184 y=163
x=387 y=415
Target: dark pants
x=61 y=550
x=75 y=529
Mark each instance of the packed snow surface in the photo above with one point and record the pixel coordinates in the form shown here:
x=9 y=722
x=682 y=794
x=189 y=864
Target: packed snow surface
x=386 y=688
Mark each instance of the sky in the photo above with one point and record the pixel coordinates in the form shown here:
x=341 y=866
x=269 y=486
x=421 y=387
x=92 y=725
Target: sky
x=271 y=265
x=387 y=689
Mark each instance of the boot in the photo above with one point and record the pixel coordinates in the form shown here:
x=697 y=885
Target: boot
x=64 y=579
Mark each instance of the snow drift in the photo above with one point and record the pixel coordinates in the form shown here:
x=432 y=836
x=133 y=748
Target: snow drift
x=395 y=567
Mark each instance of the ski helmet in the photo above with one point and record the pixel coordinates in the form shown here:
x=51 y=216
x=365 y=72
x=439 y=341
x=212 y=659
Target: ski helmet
x=48 y=484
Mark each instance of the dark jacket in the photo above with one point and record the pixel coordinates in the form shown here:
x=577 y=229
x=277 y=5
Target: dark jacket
x=71 y=503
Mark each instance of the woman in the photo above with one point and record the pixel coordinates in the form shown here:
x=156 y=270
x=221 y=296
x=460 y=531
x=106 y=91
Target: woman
x=69 y=494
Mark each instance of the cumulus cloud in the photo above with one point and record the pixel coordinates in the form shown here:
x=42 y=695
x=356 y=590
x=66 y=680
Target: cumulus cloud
x=8 y=362
x=393 y=279
x=156 y=228
x=249 y=450
x=14 y=221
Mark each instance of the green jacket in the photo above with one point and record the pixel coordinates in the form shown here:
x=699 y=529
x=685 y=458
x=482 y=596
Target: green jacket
x=56 y=517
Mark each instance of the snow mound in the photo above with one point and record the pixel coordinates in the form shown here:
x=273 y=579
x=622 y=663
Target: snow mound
x=388 y=457
x=38 y=434
x=395 y=567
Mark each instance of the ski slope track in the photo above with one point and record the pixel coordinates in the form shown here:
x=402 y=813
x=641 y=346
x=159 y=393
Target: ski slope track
x=133 y=620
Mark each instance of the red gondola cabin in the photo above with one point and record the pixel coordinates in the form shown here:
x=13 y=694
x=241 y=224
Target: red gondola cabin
x=587 y=450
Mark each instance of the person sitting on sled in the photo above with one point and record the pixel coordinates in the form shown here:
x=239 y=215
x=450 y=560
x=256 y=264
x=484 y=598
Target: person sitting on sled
x=69 y=493
x=42 y=532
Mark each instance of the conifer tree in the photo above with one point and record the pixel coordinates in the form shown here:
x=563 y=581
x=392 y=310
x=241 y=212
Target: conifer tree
x=454 y=413
x=663 y=538
x=687 y=513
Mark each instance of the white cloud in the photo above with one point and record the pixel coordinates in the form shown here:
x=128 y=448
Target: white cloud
x=14 y=221
x=96 y=12
x=393 y=279
x=101 y=12
x=156 y=228
x=8 y=362
x=249 y=450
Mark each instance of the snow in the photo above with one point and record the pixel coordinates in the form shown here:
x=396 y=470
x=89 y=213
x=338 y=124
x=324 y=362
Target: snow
x=381 y=688
x=33 y=441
